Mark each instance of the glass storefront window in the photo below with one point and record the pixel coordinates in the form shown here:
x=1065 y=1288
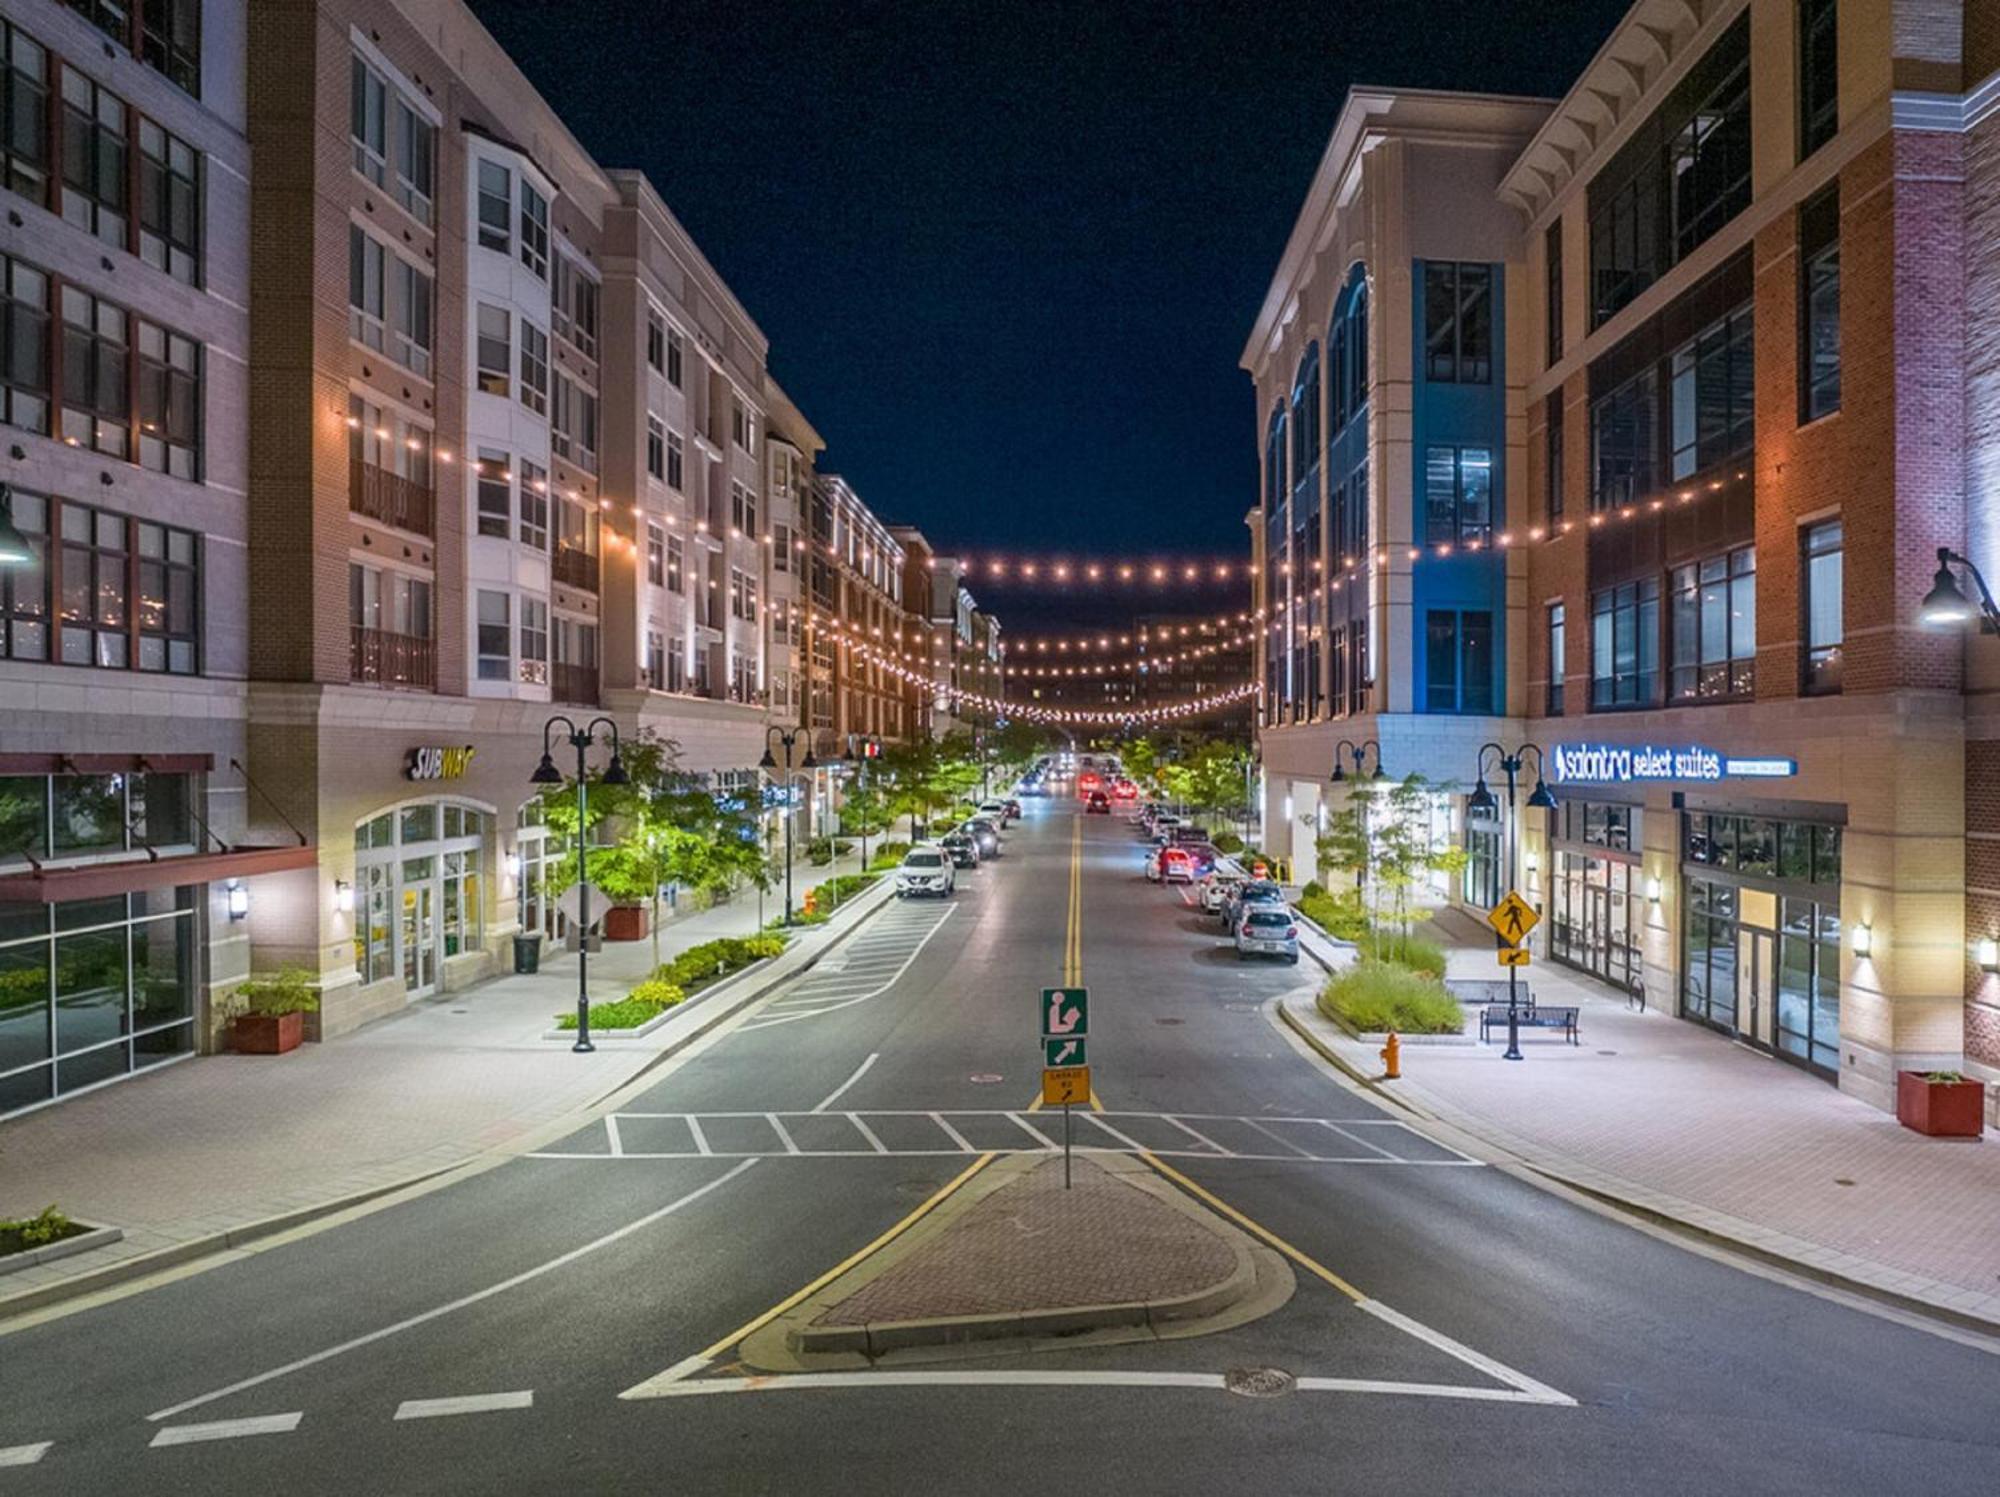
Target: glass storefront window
x=1809 y=984
x=24 y=818
x=89 y=813
x=417 y=891
x=1592 y=923
x=1482 y=867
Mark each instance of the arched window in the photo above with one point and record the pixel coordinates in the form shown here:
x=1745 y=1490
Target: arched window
x=1347 y=352
x=1274 y=459
x=1305 y=414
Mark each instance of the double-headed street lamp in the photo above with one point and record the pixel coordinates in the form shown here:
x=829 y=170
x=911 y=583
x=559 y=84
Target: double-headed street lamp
x=546 y=773
x=1359 y=753
x=787 y=740
x=1481 y=800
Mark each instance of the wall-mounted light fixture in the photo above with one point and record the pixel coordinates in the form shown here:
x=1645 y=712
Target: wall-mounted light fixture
x=1864 y=940
x=1653 y=889
x=343 y=896
x=1533 y=861
x=1987 y=951
x=513 y=865
x=238 y=899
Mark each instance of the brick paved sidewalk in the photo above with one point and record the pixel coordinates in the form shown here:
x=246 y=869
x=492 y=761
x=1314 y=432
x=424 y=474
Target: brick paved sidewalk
x=216 y=1143
x=1683 y=1121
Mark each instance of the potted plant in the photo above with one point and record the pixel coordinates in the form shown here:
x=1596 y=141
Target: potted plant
x=625 y=922
x=1942 y=1104
x=271 y=1019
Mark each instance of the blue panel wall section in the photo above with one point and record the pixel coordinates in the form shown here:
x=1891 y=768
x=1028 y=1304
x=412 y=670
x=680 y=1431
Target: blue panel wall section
x=1458 y=415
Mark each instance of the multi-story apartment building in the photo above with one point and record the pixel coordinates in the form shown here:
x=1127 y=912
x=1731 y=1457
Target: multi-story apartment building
x=951 y=641
x=1183 y=657
x=857 y=623
x=127 y=821
x=1737 y=325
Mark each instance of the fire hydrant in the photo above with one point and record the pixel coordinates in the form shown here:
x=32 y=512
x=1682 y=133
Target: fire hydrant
x=1392 y=1058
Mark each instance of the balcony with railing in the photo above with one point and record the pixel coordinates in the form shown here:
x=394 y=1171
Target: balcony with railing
x=576 y=568
x=377 y=494
x=380 y=658
x=576 y=684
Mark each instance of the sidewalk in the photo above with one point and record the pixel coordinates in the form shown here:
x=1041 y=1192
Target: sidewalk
x=1679 y=1121
x=222 y=1145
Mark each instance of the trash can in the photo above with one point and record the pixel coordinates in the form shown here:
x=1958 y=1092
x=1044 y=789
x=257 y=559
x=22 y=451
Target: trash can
x=528 y=953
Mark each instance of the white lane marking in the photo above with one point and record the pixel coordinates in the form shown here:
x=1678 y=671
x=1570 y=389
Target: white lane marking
x=964 y=1143
x=700 y=1138
x=1198 y=1137
x=470 y=1403
x=1426 y=1390
x=839 y=1091
x=1499 y=1371
x=674 y=1384
x=769 y=1020
x=783 y=1137
x=1283 y=1143
x=562 y=1260
x=611 y=1134
x=630 y=1156
x=225 y=1429
x=686 y=1367
x=24 y=1455
x=1034 y=1132
x=866 y=1131
x=1126 y=1139
x=1353 y=1138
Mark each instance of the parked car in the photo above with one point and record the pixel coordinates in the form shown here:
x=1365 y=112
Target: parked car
x=996 y=809
x=1124 y=790
x=985 y=836
x=1097 y=804
x=1165 y=824
x=1215 y=886
x=1013 y=808
x=1264 y=931
x=1176 y=866
x=1251 y=892
x=962 y=849
x=1201 y=855
x=925 y=869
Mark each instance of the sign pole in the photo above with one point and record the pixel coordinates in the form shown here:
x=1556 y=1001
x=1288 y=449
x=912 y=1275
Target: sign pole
x=1065 y=1146
x=1513 y=1014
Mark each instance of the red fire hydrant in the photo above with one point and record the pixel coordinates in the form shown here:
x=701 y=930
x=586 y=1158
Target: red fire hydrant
x=1392 y=1058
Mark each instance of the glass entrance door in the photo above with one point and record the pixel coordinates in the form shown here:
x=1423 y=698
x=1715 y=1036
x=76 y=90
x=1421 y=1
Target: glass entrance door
x=420 y=926
x=1756 y=986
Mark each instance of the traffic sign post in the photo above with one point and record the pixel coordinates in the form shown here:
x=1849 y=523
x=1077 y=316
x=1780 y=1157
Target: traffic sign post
x=1065 y=1075
x=1512 y=918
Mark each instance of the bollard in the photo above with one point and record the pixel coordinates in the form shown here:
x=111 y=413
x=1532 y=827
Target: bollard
x=1392 y=1058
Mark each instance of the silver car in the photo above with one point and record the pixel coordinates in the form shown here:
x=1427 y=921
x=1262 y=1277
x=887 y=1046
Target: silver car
x=1267 y=932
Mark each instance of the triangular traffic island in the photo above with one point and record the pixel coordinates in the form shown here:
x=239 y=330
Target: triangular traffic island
x=1014 y=1262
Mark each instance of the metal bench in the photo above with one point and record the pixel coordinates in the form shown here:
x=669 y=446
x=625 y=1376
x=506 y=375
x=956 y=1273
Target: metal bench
x=1530 y=1016
x=1484 y=990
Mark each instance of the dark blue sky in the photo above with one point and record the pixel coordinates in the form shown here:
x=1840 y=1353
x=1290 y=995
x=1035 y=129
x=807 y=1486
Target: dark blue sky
x=1007 y=253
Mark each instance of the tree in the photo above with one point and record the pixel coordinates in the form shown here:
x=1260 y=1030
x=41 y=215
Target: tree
x=1383 y=839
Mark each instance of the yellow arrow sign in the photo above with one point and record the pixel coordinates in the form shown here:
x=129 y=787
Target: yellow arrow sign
x=1513 y=917
x=1513 y=956
x=1063 y=1085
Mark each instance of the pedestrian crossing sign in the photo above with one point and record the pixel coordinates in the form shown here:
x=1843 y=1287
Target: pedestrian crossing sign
x=1513 y=917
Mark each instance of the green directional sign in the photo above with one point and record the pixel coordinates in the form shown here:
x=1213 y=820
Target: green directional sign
x=1063 y=1053
x=1065 y=1013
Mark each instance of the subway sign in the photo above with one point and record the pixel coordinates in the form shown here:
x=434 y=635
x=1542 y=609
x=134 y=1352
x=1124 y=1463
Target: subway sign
x=439 y=763
x=1645 y=763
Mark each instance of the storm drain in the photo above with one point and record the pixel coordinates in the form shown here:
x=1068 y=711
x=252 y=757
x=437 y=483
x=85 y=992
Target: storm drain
x=1259 y=1382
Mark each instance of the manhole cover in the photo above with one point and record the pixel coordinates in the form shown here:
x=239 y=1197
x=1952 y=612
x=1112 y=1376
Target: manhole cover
x=1843 y=1182
x=1607 y=1052
x=1170 y=1021
x=1259 y=1382
x=985 y=1078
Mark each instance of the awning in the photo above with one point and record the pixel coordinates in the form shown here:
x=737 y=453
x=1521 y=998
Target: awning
x=98 y=880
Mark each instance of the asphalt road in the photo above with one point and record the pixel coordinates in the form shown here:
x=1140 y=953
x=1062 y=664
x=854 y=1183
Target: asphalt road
x=1511 y=1341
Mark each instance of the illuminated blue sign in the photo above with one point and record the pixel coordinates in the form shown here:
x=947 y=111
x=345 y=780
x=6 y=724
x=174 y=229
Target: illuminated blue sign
x=1640 y=763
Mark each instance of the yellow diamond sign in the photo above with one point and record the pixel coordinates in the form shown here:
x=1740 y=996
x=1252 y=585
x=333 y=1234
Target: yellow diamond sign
x=1513 y=917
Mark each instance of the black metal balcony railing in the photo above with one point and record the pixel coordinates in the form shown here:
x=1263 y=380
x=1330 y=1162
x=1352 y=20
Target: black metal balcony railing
x=375 y=655
x=390 y=498
x=574 y=568
x=576 y=684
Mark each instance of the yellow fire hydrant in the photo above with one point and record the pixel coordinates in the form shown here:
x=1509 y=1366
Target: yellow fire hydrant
x=1392 y=1058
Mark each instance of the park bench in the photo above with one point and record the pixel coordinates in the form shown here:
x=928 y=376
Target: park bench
x=1530 y=1016
x=1485 y=990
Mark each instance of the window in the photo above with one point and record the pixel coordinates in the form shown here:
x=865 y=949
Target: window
x=368 y=121
x=1553 y=459
x=1684 y=174
x=743 y=508
x=169 y=401
x=1625 y=645
x=1819 y=74
x=534 y=506
x=781 y=548
x=384 y=438
x=1552 y=290
x=95 y=593
x=739 y=425
x=389 y=133
x=24 y=590
x=496 y=194
x=576 y=298
x=1558 y=656
x=388 y=602
x=534 y=641
x=1715 y=628
x=494 y=494
x=1712 y=394
x=1458 y=494
x=171 y=40
x=493 y=361
x=736 y=581
x=169 y=203
x=1482 y=865
x=390 y=302
x=656 y=555
x=534 y=368
x=676 y=663
x=656 y=343
x=24 y=114
x=655 y=661
x=534 y=231
x=493 y=640
x=24 y=346
x=95 y=143
x=1459 y=662
x=1458 y=322
x=1622 y=442
x=1824 y=618
x=97 y=370
x=676 y=564
x=1819 y=303
x=675 y=461
x=573 y=426
x=656 y=446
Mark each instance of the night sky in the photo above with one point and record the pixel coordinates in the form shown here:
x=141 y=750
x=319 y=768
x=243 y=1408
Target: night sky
x=1007 y=254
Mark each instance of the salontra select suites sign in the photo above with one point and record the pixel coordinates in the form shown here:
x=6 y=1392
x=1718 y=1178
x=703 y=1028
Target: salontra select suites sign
x=1630 y=763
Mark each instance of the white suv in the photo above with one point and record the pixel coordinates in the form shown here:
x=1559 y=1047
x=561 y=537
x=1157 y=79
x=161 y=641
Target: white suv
x=926 y=869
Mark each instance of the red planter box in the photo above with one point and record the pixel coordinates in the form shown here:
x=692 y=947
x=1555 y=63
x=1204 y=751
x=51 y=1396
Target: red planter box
x=267 y=1034
x=625 y=922
x=1940 y=1109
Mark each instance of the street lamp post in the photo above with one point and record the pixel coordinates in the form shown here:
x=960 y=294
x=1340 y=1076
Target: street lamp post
x=1946 y=604
x=546 y=773
x=787 y=740
x=1363 y=783
x=1482 y=800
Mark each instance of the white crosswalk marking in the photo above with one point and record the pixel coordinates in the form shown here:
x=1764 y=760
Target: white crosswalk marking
x=24 y=1455
x=865 y=969
x=227 y=1429
x=471 y=1403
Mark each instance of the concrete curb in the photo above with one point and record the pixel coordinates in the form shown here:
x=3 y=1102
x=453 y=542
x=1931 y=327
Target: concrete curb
x=69 y=1247
x=1561 y=1176
x=112 y=1275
